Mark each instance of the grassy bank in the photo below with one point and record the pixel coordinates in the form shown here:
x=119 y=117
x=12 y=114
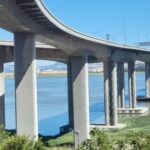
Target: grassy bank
x=139 y=124
x=66 y=140
x=134 y=125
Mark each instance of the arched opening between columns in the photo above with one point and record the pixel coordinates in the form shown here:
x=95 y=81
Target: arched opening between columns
x=139 y=69
x=96 y=93
x=10 y=116
x=52 y=97
x=134 y=79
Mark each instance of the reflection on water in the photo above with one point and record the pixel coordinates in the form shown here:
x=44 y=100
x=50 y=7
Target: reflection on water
x=52 y=101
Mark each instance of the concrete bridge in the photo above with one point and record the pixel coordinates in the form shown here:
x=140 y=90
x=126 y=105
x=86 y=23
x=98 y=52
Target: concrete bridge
x=30 y=21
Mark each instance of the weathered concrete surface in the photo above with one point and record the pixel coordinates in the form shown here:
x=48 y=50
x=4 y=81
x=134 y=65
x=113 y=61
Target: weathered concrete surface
x=79 y=73
x=147 y=79
x=2 y=97
x=110 y=94
x=70 y=95
x=132 y=84
x=121 y=85
x=25 y=85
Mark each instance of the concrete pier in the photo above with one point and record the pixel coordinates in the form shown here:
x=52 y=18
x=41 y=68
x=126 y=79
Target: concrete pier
x=132 y=84
x=147 y=78
x=70 y=95
x=110 y=93
x=106 y=93
x=121 y=85
x=2 y=97
x=25 y=85
x=79 y=72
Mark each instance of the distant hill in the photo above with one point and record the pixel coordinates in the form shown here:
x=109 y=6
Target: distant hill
x=9 y=67
x=50 y=66
x=55 y=66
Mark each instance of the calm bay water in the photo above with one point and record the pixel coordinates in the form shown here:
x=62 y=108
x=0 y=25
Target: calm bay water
x=52 y=101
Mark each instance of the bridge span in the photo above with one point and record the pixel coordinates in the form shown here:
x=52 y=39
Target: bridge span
x=30 y=21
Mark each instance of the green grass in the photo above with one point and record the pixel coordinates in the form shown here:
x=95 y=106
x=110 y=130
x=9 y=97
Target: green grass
x=134 y=124
x=63 y=142
x=66 y=140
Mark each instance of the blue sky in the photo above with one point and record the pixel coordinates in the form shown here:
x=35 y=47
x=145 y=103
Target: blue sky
x=126 y=21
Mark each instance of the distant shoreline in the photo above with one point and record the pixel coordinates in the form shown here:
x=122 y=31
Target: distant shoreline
x=10 y=75
x=7 y=75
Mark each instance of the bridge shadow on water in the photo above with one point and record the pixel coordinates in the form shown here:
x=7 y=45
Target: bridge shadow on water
x=97 y=113
x=51 y=125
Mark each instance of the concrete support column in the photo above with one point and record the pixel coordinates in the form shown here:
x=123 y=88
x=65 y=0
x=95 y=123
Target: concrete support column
x=2 y=97
x=110 y=95
x=147 y=78
x=132 y=84
x=25 y=85
x=121 y=85
x=70 y=95
x=79 y=72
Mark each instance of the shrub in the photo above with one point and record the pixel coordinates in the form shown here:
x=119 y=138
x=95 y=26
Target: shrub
x=139 y=141
x=121 y=145
x=21 y=143
x=98 y=141
x=52 y=143
x=3 y=134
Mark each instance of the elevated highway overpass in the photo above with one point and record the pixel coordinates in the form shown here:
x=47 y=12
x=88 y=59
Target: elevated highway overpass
x=43 y=52
x=30 y=20
x=31 y=16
